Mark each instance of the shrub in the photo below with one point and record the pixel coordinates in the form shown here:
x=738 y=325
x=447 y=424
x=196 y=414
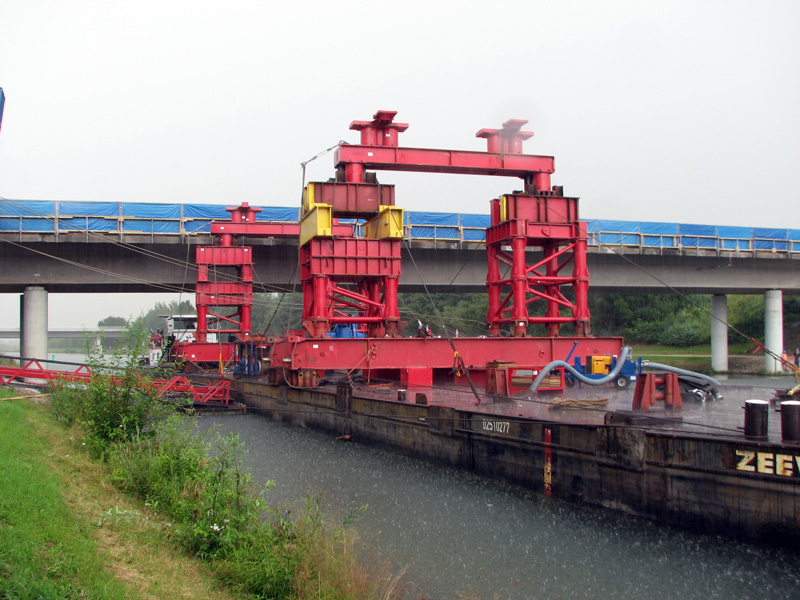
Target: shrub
x=118 y=404
x=684 y=333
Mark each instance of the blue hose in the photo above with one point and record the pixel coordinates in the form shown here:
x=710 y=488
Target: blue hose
x=691 y=375
x=580 y=376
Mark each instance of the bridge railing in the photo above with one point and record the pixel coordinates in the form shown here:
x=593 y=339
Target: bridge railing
x=125 y=219
x=69 y=218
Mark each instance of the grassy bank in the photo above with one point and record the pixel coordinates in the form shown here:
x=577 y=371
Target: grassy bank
x=106 y=495
x=65 y=532
x=698 y=358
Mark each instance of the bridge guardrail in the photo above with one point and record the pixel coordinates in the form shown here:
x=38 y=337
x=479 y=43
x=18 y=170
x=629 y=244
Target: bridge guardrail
x=68 y=218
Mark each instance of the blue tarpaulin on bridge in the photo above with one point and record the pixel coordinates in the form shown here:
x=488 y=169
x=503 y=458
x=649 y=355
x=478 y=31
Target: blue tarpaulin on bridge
x=151 y=211
x=614 y=232
x=87 y=224
x=431 y=218
x=28 y=208
x=475 y=227
x=269 y=213
x=443 y=226
x=151 y=226
x=698 y=236
x=734 y=238
x=658 y=235
x=770 y=239
x=25 y=224
x=205 y=211
x=279 y=213
x=618 y=226
x=164 y=218
x=476 y=221
x=88 y=209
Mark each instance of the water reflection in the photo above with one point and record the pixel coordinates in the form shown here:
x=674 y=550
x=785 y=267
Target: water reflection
x=454 y=530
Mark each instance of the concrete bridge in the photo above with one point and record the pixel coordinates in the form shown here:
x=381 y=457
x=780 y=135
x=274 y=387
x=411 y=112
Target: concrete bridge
x=72 y=247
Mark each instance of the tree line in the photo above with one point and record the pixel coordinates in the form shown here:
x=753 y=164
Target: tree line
x=668 y=319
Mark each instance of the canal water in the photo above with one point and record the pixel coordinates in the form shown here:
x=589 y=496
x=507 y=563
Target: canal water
x=454 y=532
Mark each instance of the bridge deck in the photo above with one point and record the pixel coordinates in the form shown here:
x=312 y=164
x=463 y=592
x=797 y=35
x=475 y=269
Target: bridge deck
x=71 y=221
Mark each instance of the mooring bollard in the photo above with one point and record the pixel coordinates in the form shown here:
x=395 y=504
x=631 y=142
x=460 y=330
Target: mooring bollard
x=756 y=419
x=790 y=421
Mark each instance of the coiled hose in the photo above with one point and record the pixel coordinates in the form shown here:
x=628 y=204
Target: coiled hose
x=580 y=376
x=690 y=376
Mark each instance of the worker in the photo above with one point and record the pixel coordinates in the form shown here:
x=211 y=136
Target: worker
x=785 y=361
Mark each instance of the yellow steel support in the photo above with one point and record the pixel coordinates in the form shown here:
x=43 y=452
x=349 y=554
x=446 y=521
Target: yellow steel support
x=503 y=208
x=387 y=224
x=317 y=222
x=308 y=198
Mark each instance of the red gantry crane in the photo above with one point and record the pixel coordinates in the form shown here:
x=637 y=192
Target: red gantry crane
x=352 y=280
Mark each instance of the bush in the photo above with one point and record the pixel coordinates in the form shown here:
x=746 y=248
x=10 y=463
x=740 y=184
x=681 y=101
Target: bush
x=211 y=500
x=118 y=404
x=685 y=332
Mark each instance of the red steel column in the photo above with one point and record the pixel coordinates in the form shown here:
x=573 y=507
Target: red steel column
x=202 y=322
x=374 y=295
x=519 y=287
x=580 y=273
x=392 y=317
x=318 y=316
x=493 y=289
x=244 y=318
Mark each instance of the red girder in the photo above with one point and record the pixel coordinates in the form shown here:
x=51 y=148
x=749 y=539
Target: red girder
x=33 y=370
x=297 y=353
x=262 y=229
x=429 y=160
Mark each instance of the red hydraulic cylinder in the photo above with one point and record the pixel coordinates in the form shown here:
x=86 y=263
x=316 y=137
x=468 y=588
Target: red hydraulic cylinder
x=542 y=182
x=354 y=172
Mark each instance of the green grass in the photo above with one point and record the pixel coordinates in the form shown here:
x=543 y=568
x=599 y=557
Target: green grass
x=75 y=527
x=739 y=348
x=45 y=551
x=66 y=533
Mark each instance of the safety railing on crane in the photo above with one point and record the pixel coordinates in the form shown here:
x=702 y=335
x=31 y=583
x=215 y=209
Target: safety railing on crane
x=72 y=220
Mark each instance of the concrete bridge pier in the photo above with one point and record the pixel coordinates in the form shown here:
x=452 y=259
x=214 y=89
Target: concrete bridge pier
x=33 y=322
x=719 y=332
x=773 y=329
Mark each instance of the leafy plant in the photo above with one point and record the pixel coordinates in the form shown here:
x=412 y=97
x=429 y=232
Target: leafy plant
x=118 y=403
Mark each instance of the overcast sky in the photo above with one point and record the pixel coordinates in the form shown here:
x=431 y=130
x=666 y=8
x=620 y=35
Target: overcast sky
x=654 y=111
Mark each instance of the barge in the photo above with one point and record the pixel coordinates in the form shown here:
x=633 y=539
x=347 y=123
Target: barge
x=692 y=467
x=497 y=405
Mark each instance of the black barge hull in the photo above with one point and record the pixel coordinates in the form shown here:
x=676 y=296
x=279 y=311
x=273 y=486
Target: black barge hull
x=719 y=484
